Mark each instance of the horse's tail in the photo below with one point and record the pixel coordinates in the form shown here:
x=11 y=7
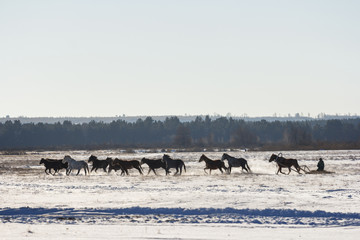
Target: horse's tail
x=184 y=167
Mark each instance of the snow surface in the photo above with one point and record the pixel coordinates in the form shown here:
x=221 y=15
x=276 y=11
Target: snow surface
x=194 y=205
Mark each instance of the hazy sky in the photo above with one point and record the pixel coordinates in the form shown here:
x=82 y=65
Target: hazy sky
x=107 y=58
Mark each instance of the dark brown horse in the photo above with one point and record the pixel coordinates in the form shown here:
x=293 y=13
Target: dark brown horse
x=178 y=164
x=153 y=164
x=235 y=162
x=285 y=163
x=96 y=163
x=124 y=166
x=55 y=164
x=212 y=164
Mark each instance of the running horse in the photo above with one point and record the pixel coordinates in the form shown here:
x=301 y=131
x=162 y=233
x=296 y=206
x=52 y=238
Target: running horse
x=123 y=165
x=212 y=164
x=153 y=164
x=235 y=162
x=178 y=164
x=285 y=163
x=96 y=163
x=73 y=164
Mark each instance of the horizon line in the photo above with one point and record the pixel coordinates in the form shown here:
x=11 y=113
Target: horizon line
x=229 y=115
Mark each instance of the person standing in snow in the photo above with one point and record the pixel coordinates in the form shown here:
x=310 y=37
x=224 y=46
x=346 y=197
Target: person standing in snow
x=320 y=165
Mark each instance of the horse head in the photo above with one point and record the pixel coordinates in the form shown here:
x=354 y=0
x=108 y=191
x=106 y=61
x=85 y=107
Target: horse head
x=109 y=160
x=66 y=159
x=224 y=156
x=92 y=158
x=143 y=160
x=273 y=157
x=202 y=158
x=165 y=157
x=42 y=161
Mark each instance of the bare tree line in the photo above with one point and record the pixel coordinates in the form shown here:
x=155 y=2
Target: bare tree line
x=203 y=132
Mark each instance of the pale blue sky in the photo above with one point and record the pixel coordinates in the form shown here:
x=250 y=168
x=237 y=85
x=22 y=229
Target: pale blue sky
x=107 y=58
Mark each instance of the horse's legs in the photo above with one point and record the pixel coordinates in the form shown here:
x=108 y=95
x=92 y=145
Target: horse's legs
x=154 y=171
x=177 y=170
x=223 y=166
x=289 y=170
x=78 y=171
x=221 y=170
x=93 y=168
x=149 y=171
x=281 y=171
x=205 y=171
x=139 y=170
x=247 y=166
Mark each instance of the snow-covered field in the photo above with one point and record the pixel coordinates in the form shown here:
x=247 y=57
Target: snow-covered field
x=257 y=205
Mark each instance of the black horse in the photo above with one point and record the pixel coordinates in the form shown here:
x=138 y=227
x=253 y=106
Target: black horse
x=153 y=164
x=235 y=162
x=124 y=166
x=212 y=164
x=53 y=164
x=285 y=162
x=173 y=163
x=96 y=163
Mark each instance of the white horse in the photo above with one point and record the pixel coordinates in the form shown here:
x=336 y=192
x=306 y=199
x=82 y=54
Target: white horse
x=73 y=164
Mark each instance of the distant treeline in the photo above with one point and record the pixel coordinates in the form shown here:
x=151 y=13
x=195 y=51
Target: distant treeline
x=203 y=132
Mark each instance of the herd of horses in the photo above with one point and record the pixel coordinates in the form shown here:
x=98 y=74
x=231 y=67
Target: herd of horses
x=166 y=163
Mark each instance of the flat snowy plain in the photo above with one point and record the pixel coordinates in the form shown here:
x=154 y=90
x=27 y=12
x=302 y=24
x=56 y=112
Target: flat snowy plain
x=257 y=205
